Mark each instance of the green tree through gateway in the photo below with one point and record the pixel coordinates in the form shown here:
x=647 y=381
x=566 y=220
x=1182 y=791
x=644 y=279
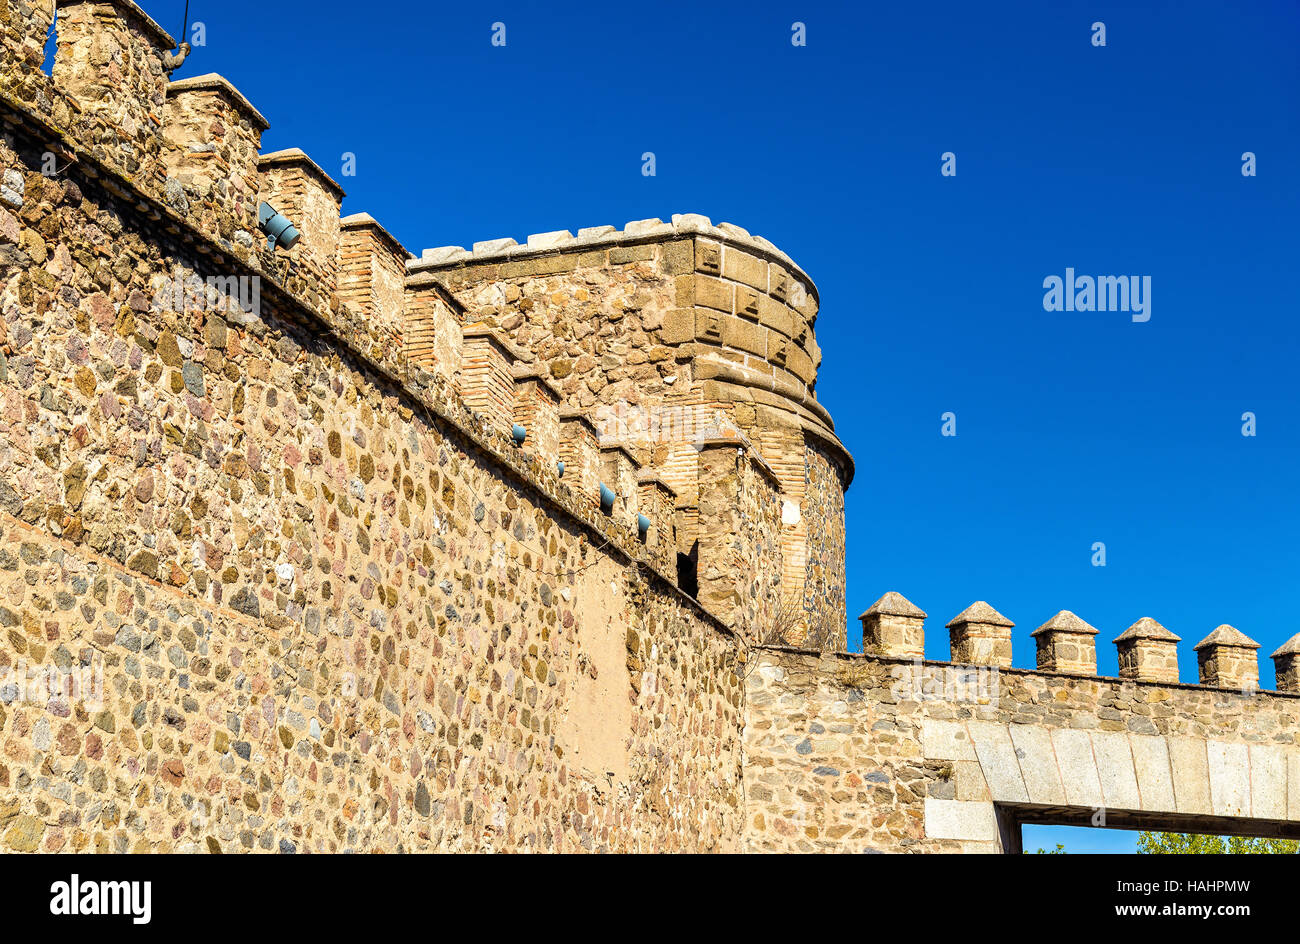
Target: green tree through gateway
x=1191 y=844
x=1187 y=844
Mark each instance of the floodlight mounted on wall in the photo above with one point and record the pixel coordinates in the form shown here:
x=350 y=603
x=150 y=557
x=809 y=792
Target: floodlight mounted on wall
x=279 y=229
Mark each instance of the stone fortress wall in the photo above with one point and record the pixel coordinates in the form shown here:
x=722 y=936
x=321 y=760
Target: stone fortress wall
x=276 y=575
x=310 y=594
x=887 y=752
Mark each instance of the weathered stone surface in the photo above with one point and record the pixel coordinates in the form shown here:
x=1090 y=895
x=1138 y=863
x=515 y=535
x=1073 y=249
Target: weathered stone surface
x=953 y=819
x=1226 y=659
x=980 y=635
x=1038 y=763
x=1154 y=773
x=943 y=755
x=332 y=608
x=1229 y=765
x=331 y=612
x=894 y=626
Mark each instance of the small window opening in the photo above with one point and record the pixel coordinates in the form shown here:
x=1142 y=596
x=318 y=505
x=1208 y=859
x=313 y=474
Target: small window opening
x=687 y=577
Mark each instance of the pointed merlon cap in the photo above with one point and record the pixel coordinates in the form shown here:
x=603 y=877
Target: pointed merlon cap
x=894 y=604
x=212 y=82
x=159 y=35
x=979 y=612
x=298 y=157
x=1227 y=635
x=366 y=221
x=1147 y=628
x=1066 y=622
x=1289 y=648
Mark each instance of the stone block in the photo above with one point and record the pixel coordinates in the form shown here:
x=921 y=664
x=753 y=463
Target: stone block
x=956 y=819
x=1229 y=764
x=742 y=267
x=712 y=293
x=1154 y=775
x=646 y=227
x=1078 y=767
x=549 y=240
x=744 y=335
x=1268 y=777
x=678 y=257
x=779 y=283
x=708 y=258
x=1119 y=786
x=944 y=740
x=486 y=246
x=709 y=325
x=1038 y=763
x=1191 y=772
x=800 y=364
x=970 y=782
x=997 y=755
x=776 y=316
x=678 y=326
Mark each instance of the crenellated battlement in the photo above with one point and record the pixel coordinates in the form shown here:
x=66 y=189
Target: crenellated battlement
x=955 y=757
x=700 y=330
x=669 y=334
x=752 y=299
x=294 y=556
x=392 y=535
x=634 y=232
x=193 y=144
x=893 y=627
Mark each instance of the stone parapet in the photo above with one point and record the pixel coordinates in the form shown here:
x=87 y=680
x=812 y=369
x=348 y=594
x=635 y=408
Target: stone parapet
x=671 y=333
x=739 y=552
x=657 y=501
x=859 y=753
x=1227 y=659
x=1066 y=644
x=110 y=62
x=371 y=276
x=980 y=635
x=296 y=186
x=1286 y=665
x=894 y=626
x=1148 y=652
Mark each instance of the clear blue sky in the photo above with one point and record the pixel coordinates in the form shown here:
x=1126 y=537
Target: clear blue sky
x=1072 y=427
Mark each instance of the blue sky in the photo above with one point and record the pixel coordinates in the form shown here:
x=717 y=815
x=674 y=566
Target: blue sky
x=1072 y=427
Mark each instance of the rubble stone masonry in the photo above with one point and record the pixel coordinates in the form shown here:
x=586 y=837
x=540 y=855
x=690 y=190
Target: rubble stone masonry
x=325 y=618
x=333 y=548
x=845 y=752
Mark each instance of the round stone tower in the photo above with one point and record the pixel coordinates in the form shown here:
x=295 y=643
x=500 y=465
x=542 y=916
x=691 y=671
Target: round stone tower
x=671 y=336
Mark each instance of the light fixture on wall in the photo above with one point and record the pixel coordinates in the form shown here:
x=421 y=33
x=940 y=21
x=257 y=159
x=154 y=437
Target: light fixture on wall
x=279 y=229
